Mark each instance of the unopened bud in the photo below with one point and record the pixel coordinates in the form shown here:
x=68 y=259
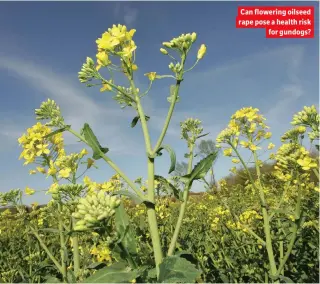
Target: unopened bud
x=193 y=37
x=167 y=44
x=163 y=51
x=202 y=51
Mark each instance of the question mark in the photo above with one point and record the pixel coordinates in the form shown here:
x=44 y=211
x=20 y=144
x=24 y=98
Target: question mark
x=309 y=31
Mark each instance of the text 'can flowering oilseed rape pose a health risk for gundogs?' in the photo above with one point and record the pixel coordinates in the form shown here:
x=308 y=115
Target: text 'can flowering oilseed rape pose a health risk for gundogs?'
x=279 y=22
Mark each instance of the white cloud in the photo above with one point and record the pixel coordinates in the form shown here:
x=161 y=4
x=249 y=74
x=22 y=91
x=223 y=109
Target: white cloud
x=77 y=107
x=128 y=14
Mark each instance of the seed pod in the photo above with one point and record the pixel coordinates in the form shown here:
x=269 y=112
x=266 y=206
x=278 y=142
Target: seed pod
x=103 y=216
x=80 y=228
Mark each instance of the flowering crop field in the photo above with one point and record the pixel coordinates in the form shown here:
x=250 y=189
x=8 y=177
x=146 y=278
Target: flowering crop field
x=260 y=224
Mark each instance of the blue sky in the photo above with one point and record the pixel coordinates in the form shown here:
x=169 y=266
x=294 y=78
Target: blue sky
x=44 y=44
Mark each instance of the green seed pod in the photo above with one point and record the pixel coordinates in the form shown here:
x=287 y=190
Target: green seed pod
x=90 y=219
x=85 y=202
x=81 y=222
x=103 y=216
x=77 y=215
x=82 y=207
x=80 y=228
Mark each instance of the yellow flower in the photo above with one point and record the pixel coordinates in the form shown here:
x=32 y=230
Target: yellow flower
x=202 y=51
x=42 y=149
x=106 y=87
x=271 y=146
x=104 y=254
x=29 y=191
x=32 y=172
x=307 y=163
x=151 y=75
x=65 y=173
x=268 y=135
x=235 y=161
x=102 y=59
x=87 y=180
x=253 y=147
x=83 y=153
x=227 y=152
x=244 y=144
x=41 y=170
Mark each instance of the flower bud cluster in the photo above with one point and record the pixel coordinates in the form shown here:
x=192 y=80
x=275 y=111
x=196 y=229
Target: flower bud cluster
x=190 y=130
x=87 y=72
x=181 y=43
x=175 y=68
x=94 y=209
x=50 y=110
x=309 y=116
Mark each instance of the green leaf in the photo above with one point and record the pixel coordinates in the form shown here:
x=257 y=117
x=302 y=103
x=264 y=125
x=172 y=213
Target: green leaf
x=175 y=269
x=115 y=273
x=202 y=135
x=96 y=265
x=168 y=185
x=172 y=156
x=123 y=227
x=136 y=119
x=129 y=194
x=57 y=131
x=52 y=279
x=187 y=255
x=201 y=169
x=93 y=142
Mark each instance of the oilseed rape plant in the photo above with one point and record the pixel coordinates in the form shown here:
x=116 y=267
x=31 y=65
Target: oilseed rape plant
x=262 y=228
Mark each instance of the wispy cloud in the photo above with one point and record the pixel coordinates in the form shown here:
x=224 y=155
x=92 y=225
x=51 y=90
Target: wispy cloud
x=76 y=105
x=129 y=15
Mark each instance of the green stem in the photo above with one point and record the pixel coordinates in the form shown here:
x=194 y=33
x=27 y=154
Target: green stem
x=151 y=212
x=316 y=172
x=171 y=108
x=45 y=248
x=62 y=245
x=183 y=206
x=296 y=227
x=112 y=165
x=266 y=224
x=76 y=252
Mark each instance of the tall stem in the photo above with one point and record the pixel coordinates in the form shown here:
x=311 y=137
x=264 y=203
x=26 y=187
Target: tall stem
x=182 y=211
x=266 y=225
x=296 y=227
x=168 y=118
x=151 y=212
x=76 y=252
x=266 y=222
x=62 y=245
x=45 y=248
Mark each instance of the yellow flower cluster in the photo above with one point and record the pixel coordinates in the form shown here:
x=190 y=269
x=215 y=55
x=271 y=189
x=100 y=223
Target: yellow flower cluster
x=289 y=156
x=308 y=117
x=116 y=41
x=248 y=124
x=111 y=185
x=102 y=253
x=36 y=146
x=162 y=209
x=249 y=216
